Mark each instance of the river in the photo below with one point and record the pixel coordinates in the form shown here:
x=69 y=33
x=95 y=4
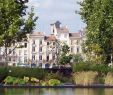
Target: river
x=55 y=91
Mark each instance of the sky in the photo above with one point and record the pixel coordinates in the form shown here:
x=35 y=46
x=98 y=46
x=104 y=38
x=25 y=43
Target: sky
x=50 y=11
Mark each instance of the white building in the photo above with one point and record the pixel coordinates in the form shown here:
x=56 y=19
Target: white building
x=40 y=49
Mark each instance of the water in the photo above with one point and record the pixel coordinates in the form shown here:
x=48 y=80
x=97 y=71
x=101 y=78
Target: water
x=60 y=91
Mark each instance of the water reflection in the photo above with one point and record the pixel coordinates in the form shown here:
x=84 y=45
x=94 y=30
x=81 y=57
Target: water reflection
x=60 y=91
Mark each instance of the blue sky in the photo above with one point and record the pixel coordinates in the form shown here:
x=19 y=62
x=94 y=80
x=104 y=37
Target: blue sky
x=49 y=11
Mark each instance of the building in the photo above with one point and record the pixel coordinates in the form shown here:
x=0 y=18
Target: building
x=40 y=50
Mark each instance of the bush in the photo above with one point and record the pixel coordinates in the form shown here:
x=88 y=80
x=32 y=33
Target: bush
x=88 y=66
x=85 y=78
x=109 y=79
x=54 y=82
x=28 y=72
x=3 y=73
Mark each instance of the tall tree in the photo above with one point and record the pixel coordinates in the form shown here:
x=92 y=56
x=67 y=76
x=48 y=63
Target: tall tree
x=13 y=25
x=98 y=15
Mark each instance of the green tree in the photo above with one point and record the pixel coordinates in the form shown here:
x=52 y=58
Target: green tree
x=64 y=56
x=98 y=16
x=13 y=25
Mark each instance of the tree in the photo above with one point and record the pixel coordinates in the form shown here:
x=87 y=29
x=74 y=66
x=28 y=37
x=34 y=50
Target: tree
x=64 y=56
x=13 y=25
x=98 y=16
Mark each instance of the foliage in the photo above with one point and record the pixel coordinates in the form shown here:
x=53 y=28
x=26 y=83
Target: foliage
x=54 y=82
x=109 y=79
x=3 y=73
x=98 y=16
x=77 y=58
x=13 y=24
x=9 y=80
x=64 y=57
x=89 y=66
x=28 y=72
x=87 y=78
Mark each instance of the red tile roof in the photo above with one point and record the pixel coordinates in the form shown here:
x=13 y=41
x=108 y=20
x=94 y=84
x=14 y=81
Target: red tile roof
x=50 y=38
x=76 y=35
x=37 y=34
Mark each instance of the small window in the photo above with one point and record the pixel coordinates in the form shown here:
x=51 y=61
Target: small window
x=53 y=43
x=47 y=43
x=25 y=59
x=33 y=57
x=40 y=49
x=20 y=52
x=40 y=57
x=40 y=42
x=25 y=52
x=33 y=49
x=33 y=41
x=77 y=49
x=10 y=51
x=25 y=44
x=48 y=58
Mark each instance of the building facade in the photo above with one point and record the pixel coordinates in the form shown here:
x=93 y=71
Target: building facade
x=40 y=50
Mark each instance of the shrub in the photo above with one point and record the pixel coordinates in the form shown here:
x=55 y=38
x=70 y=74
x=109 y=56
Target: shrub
x=88 y=66
x=109 y=79
x=28 y=72
x=54 y=82
x=3 y=73
x=85 y=78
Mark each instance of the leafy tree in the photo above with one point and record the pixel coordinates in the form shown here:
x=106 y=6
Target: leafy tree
x=98 y=16
x=13 y=25
x=77 y=58
x=64 y=56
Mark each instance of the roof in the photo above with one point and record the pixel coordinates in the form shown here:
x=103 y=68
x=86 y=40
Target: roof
x=62 y=30
x=37 y=34
x=50 y=38
x=76 y=35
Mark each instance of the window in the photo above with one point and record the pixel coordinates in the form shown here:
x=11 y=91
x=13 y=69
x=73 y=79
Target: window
x=77 y=49
x=20 y=52
x=53 y=57
x=33 y=42
x=25 y=44
x=77 y=42
x=25 y=52
x=72 y=49
x=40 y=57
x=13 y=52
x=48 y=58
x=40 y=49
x=9 y=51
x=33 y=57
x=53 y=31
x=25 y=59
x=40 y=42
x=9 y=58
x=33 y=49
x=53 y=43
x=47 y=43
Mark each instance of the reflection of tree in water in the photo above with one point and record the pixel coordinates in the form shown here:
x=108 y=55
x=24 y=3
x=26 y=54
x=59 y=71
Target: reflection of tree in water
x=90 y=91
x=21 y=91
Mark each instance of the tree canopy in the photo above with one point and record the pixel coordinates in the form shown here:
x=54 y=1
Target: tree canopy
x=98 y=15
x=13 y=24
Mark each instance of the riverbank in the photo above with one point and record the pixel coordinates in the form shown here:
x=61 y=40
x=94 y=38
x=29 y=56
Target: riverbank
x=60 y=86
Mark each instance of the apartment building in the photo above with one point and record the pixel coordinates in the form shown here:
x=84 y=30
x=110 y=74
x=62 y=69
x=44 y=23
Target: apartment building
x=40 y=50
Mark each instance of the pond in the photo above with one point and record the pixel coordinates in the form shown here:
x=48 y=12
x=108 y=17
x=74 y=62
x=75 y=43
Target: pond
x=55 y=91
